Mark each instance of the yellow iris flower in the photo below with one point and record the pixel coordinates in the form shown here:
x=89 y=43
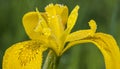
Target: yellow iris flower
x=52 y=29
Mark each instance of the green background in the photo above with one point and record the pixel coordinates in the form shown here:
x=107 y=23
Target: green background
x=85 y=56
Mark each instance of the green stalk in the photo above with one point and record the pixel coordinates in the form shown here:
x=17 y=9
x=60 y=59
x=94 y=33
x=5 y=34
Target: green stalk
x=51 y=61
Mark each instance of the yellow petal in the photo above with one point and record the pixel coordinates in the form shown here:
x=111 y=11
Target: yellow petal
x=109 y=49
x=72 y=19
x=24 y=55
x=56 y=18
x=33 y=23
x=93 y=25
x=54 y=45
x=59 y=10
x=42 y=17
x=83 y=33
x=107 y=46
x=63 y=13
x=70 y=24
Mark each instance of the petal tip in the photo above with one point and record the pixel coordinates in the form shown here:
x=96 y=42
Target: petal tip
x=92 y=25
x=77 y=6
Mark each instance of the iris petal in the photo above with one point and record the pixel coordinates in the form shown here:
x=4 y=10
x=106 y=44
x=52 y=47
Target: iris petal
x=72 y=19
x=56 y=18
x=33 y=23
x=24 y=55
x=81 y=34
x=107 y=46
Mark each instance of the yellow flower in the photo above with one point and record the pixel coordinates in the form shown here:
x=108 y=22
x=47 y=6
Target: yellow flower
x=52 y=29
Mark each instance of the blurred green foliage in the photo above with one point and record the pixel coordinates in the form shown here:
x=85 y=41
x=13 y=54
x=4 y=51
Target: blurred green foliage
x=86 y=56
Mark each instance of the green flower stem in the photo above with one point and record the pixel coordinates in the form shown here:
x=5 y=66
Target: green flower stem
x=51 y=61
